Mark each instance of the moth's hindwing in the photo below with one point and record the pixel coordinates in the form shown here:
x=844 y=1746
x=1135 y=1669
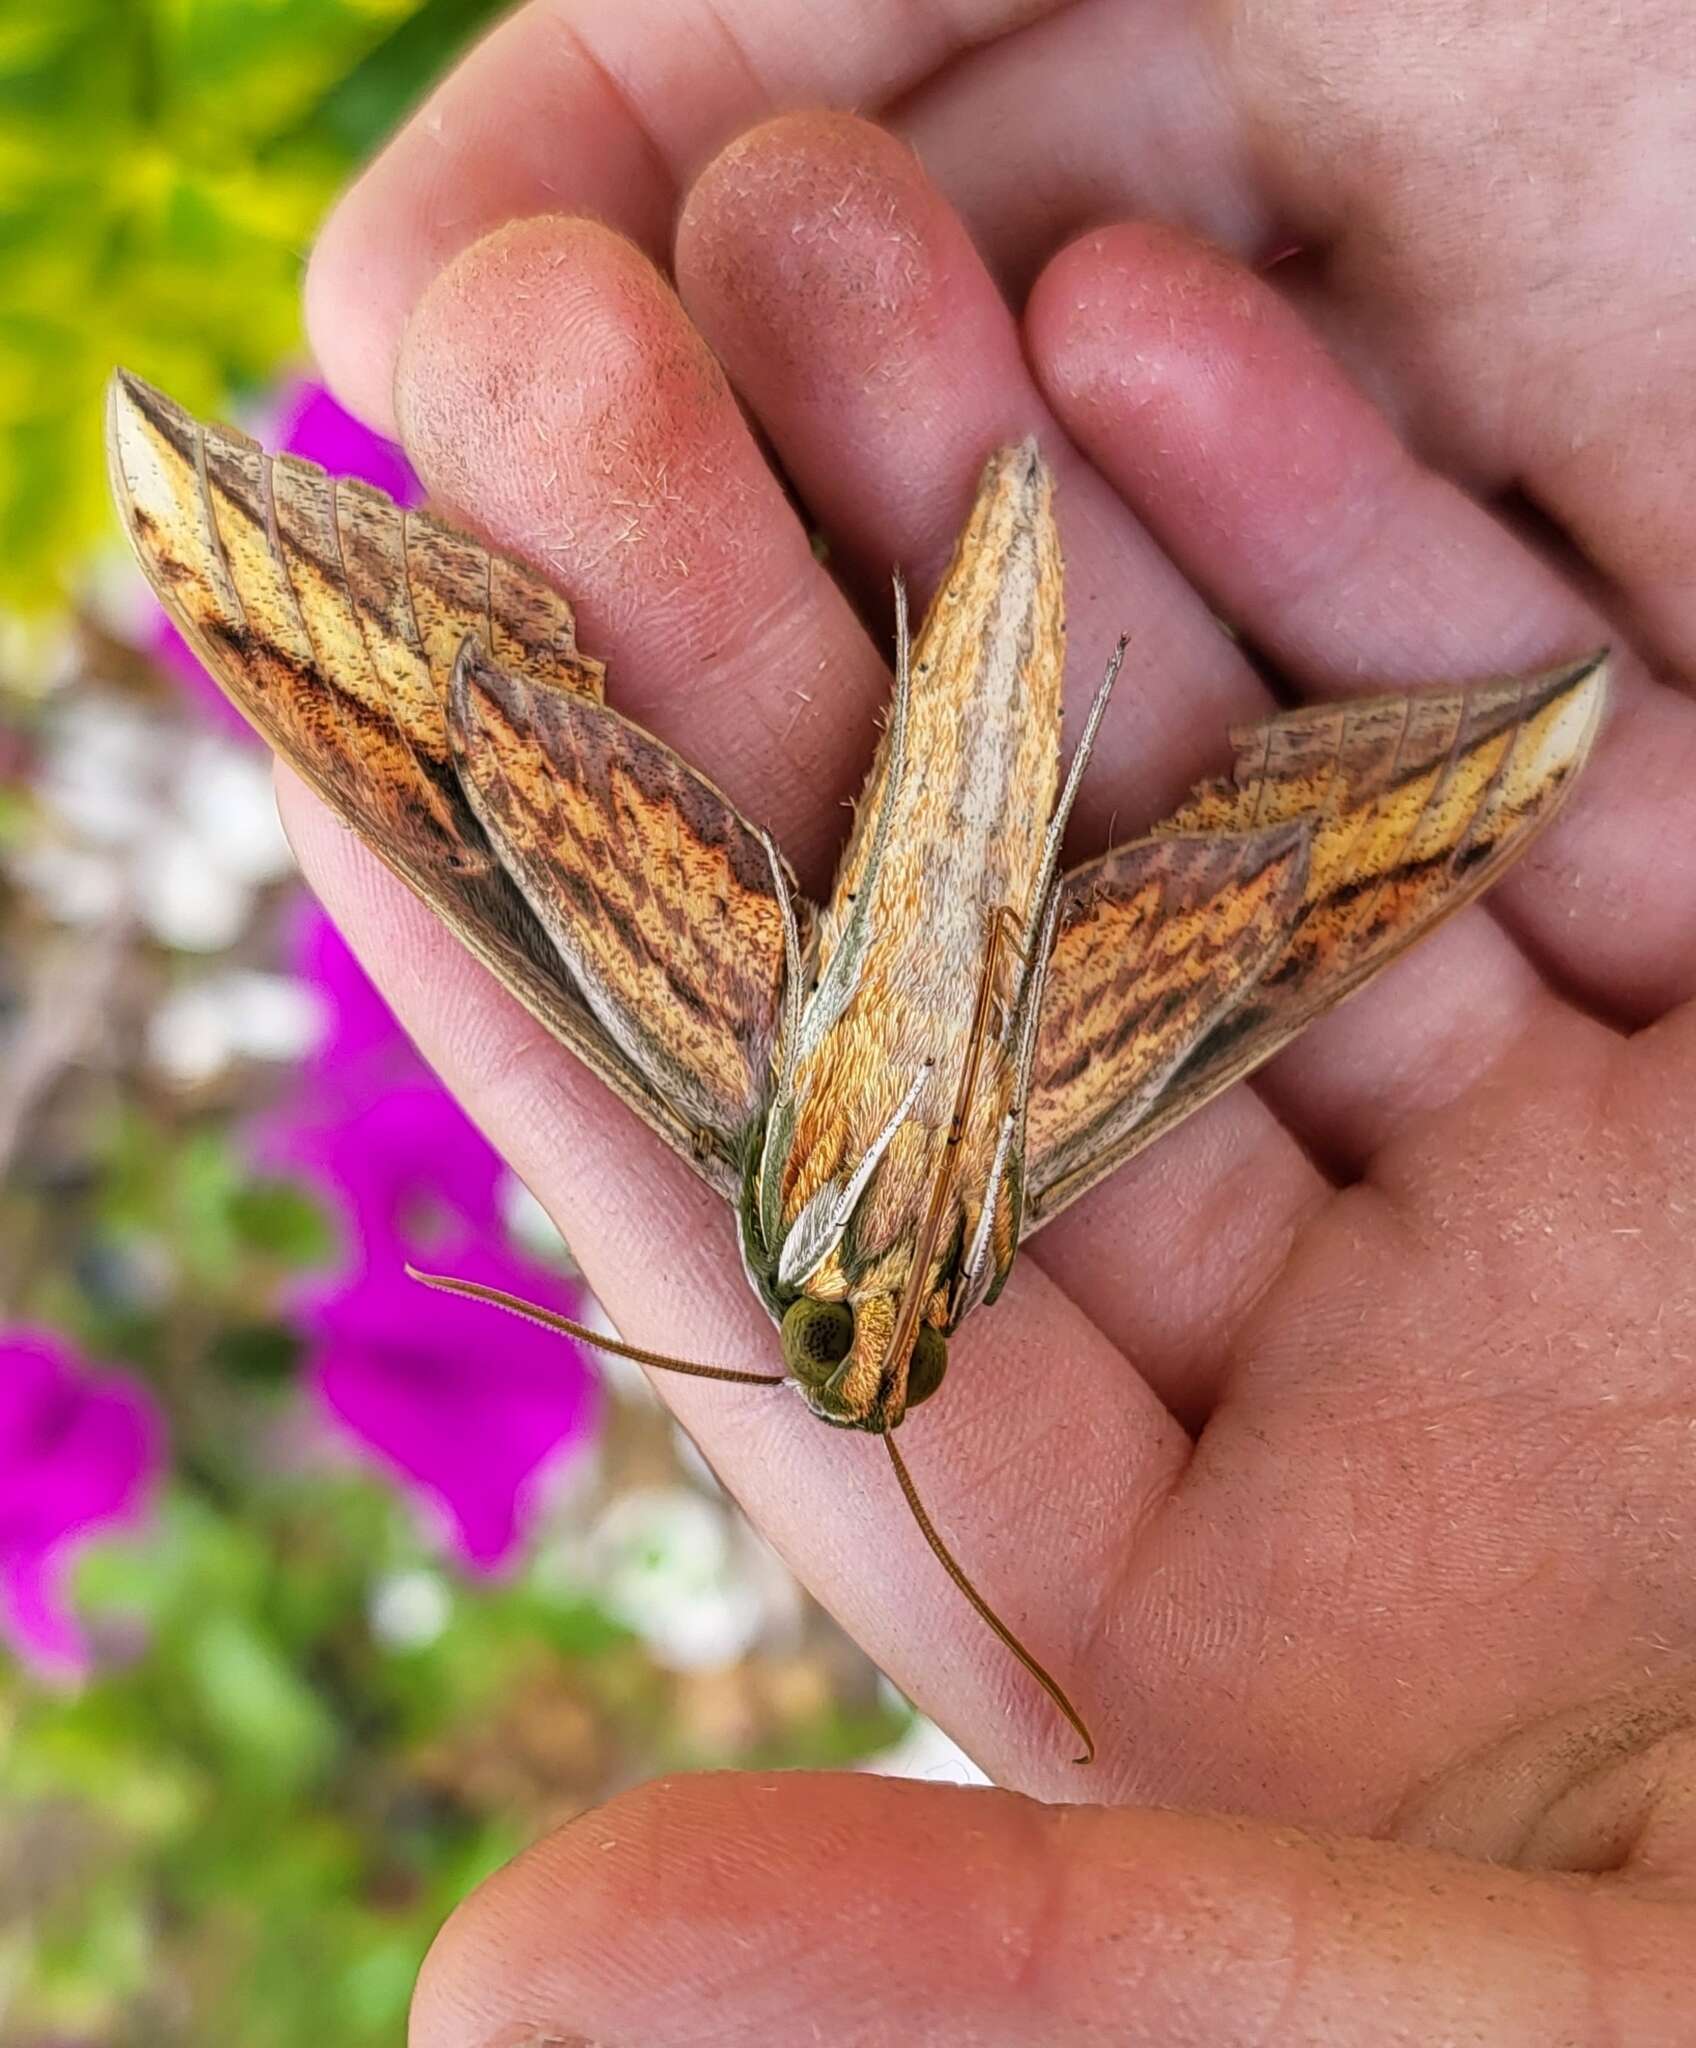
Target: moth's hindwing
x=1157 y=942
x=658 y=894
x=333 y=619
x=1411 y=806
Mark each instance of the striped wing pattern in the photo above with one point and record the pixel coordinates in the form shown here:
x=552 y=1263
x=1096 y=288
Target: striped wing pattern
x=1158 y=941
x=334 y=619
x=1409 y=806
x=656 y=892
x=633 y=911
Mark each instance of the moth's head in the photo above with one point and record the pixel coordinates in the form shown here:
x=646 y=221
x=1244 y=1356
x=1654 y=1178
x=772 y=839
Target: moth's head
x=839 y=1355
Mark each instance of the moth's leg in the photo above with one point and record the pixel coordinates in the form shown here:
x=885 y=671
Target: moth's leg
x=1045 y=898
x=975 y=1273
x=794 y=993
x=1048 y=873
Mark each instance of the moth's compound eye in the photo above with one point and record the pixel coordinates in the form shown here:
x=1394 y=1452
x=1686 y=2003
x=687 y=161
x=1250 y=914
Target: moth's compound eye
x=927 y=1365
x=817 y=1336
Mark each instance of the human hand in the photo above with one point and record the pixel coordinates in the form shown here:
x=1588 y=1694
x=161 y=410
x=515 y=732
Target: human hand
x=1491 y=203
x=1336 y=1452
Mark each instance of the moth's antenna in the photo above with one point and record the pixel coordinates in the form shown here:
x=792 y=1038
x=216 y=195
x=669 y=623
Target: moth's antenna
x=548 y=1319
x=945 y=1557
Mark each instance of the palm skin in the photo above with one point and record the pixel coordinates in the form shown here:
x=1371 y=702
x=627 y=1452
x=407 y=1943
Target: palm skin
x=1336 y=1452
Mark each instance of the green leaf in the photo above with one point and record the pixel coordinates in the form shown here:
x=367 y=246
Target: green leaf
x=257 y=1707
x=283 y=1223
x=362 y=109
x=256 y=1354
x=164 y=165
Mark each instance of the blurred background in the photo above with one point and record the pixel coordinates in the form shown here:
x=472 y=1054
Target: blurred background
x=318 y=1597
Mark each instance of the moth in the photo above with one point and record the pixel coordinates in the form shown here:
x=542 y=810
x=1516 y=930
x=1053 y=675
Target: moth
x=894 y=1089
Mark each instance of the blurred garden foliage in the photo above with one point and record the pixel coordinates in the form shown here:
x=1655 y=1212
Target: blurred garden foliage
x=318 y=1596
x=163 y=166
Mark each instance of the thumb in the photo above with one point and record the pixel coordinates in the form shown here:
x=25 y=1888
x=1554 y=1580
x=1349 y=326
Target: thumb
x=856 y=1910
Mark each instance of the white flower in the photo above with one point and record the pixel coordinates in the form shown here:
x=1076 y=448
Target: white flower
x=409 y=1610
x=204 y=1025
x=531 y=1228
x=224 y=799
x=179 y=824
x=686 y=1576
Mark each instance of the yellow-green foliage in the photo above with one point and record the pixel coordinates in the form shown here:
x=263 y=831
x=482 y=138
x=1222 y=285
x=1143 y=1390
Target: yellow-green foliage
x=163 y=164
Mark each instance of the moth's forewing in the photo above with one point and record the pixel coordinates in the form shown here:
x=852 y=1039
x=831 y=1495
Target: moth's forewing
x=333 y=620
x=657 y=892
x=1413 y=805
x=950 y=828
x=1158 y=942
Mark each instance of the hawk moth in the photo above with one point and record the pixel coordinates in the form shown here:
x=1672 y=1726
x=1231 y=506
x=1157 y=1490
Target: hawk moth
x=896 y=1087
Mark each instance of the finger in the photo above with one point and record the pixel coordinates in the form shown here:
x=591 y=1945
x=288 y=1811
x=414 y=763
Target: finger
x=555 y=397
x=626 y=468
x=859 y=1911
x=633 y=481
x=1549 y=347
x=1198 y=391
x=859 y=323
x=1621 y=485
x=578 y=108
x=1530 y=303
x=839 y=289
x=1098 y=112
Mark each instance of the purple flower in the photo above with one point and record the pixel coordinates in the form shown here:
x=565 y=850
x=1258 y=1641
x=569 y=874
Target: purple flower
x=312 y=425
x=308 y=422
x=374 y=1127
x=466 y=1405
x=410 y=1169
x=78 y=1454
x=469 y=1406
